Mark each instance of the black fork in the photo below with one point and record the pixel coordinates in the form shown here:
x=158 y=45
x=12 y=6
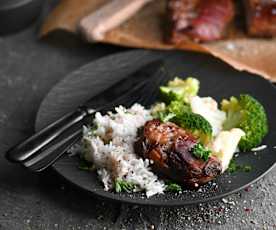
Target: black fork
x=68 y=129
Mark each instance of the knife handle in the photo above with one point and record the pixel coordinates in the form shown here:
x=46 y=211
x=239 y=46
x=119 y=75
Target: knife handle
x=48 y=155
x=31 y=145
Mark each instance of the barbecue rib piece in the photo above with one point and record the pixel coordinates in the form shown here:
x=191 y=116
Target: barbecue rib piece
x=170 y=146
x=199 y=20
x=261 y=17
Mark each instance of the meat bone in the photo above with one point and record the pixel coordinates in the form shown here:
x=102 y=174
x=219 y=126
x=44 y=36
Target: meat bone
x=109 y=16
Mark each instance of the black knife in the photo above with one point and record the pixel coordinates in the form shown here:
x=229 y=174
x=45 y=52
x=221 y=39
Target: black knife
x=135 y=82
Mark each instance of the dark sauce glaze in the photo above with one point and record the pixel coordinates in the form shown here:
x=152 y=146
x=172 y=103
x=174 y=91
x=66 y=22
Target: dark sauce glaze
x=170 y=149
x=199 y=20
x=266 y=11
x=261 y=17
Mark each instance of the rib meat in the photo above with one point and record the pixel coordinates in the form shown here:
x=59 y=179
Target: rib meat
x=200 y=20
x=261 y=17
x=170 y=146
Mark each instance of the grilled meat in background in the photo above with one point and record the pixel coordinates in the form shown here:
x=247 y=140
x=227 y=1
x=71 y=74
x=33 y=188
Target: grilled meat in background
x=209 y=20
x=260 y=17
x=170 y=148
x=199 y=20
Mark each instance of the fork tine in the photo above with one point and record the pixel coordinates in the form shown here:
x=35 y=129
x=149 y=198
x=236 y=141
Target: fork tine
x=127 y=99
x=139 y=93
x=151 y=95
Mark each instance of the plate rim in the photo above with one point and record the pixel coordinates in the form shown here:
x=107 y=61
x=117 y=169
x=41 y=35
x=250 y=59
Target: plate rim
x=170 y=203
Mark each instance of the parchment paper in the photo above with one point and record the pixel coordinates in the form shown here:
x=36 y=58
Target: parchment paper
x=147 y=28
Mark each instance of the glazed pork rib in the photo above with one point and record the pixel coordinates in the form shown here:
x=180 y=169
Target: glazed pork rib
x=169 y=147
x=261 y=17
x=199 y=20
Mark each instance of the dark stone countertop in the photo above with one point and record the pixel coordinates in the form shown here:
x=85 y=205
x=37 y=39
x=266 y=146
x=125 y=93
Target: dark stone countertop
x=28 y=69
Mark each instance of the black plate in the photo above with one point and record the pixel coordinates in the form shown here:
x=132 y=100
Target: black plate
x=217 y=80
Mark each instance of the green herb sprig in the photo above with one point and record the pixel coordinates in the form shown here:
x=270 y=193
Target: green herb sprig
x=124 y=186
x=85 y=165
x=201 y=152
x=234 y=167
x=173 y=187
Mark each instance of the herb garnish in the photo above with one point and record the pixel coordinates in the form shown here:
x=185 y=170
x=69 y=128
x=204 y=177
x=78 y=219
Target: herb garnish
x=247 y=168
x=201 y=152
x=85 y=165
x=234 y=167
x=124 y=186
x=173 y=187
x=165 y=116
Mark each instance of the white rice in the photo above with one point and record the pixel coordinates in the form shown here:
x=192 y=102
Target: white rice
x=110 y=148
x=259 y=148
x=111 y=145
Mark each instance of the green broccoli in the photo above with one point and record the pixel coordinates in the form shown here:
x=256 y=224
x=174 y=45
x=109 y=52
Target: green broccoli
x=196 y=124
x=166 y=113
x=180 y=113
x=248 y=114
x=160 y=111
x=180 y=90
x=178 y=107
x=190 y=121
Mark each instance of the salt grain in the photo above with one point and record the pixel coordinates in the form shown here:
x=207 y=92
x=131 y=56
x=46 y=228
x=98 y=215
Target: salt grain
x=224 y=200
x=230 y=46
x=232 y=203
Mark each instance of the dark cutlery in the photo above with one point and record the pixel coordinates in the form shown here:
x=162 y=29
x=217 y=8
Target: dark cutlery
x=43 y=148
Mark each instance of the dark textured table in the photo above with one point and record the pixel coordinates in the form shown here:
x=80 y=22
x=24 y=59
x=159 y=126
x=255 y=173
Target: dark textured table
x=28 y=69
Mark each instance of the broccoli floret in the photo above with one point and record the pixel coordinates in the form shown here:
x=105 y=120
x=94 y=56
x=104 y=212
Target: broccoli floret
x=180 y=113
x=196 y=124
x=166 y=113
x=178 y=107
x=190 y=121
x=158 y=108
x=180 y=90
x=248 y=114
x=160 y=111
